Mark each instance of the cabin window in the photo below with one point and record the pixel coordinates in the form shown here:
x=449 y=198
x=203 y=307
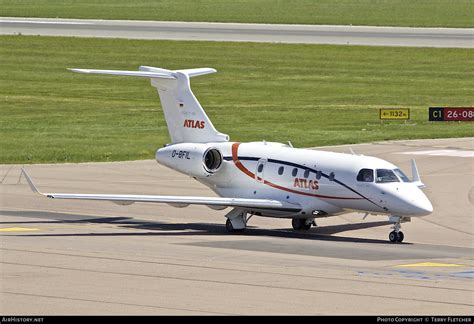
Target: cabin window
x=401 y=175
x=366 y=175
x=260 y=168
x=280 y=170
x=385 y=175
x=294 y=172
x=306 y=173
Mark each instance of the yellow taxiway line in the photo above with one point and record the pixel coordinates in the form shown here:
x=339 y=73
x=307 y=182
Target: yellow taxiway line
x=430 y=264
x=17 y=229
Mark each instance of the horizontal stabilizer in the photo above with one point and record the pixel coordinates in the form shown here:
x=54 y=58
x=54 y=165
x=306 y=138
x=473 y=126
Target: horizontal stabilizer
x=145 y=74
x=149 y=72
x=197 y=72
x=189 y=72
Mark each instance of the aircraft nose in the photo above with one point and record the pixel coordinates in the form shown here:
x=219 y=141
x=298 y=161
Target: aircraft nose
x=421 y=205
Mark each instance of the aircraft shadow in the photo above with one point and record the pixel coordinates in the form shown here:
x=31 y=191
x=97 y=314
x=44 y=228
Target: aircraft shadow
x=156 y=228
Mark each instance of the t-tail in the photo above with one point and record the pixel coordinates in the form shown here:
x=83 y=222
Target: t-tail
x=187 y=121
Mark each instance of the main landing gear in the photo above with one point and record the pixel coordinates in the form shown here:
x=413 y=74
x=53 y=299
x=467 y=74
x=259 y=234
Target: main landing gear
x=302 y=223
x=230 y=228
x=236 y=220
x=397 y=236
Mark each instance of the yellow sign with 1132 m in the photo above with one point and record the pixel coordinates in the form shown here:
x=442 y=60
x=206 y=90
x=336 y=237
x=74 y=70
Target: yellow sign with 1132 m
x=395 y=113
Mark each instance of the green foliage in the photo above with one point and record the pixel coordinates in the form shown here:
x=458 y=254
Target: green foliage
x=310 y=94
x=422 y=13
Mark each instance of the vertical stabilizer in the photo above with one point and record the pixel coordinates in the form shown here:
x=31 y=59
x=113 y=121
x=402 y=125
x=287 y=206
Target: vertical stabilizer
x=185 y=118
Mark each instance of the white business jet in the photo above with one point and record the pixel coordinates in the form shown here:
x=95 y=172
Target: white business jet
x=265 y=178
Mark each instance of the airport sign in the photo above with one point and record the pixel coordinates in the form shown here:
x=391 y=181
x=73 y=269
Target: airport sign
x=451 y=114
x=394 y=113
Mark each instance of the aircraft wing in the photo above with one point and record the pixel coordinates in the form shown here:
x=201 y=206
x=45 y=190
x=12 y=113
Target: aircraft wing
x=176 y=201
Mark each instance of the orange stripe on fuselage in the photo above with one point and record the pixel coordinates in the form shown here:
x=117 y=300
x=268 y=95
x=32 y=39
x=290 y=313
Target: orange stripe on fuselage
x=241 y=167
x=238 y=164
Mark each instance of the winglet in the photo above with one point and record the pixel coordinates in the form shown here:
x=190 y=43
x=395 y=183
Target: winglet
x=416 y=175
x=30 y=182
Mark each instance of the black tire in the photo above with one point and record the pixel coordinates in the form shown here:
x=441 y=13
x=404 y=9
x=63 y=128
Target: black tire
x=297 y=223
x=393 y=236
x=400 y=237
x=229 y=227
x=307 y=226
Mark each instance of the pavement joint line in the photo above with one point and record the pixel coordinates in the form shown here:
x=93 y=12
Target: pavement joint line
x=231 y=269
x=111 y=302
x=243 y=284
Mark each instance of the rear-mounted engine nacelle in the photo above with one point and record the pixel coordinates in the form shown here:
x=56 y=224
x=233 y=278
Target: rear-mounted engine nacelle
x=197 y=160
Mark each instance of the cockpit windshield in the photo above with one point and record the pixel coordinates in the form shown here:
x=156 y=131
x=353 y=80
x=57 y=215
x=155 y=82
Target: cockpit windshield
x=401 y=175
x=385 y=175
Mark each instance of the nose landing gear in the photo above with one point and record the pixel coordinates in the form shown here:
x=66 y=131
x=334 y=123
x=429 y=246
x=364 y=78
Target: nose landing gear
x=397 y=236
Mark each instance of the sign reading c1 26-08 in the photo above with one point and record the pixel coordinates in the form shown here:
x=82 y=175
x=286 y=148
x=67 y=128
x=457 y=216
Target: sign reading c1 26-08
x=395 y=113
x=451 y=114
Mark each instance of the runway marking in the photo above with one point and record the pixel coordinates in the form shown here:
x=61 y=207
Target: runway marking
x=430 y=264
x=455 y=153
x=17 y=229
x=419 y=275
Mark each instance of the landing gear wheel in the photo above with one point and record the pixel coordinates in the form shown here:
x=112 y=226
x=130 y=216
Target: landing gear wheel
x=297 y=223
x=393 y=237
x=396 y=236
x=300 y=224
x=230 y=228
x=400 y=237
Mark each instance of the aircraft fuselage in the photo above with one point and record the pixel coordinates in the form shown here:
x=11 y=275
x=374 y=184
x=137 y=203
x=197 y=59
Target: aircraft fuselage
x=321 y=183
